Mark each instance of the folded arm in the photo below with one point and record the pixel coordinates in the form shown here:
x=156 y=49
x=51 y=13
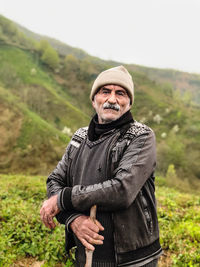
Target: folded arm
x=135 y=167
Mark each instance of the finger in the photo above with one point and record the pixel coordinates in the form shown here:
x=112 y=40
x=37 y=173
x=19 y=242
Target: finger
x=101 y=228
x=44 y=220
x=51 y=223
x=43 y=216
x=47 y=220
x=87 y=245
x=41 y=212
x=93 y=241
x=92 y=234
x=49 y=208
x=91 y=225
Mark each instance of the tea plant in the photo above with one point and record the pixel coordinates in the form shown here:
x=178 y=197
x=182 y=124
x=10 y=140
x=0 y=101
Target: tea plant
x=23 y=235
x=22 y=232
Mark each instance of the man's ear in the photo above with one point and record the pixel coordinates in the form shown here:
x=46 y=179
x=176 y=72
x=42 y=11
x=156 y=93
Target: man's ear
x=130 y=104
x=93 y=102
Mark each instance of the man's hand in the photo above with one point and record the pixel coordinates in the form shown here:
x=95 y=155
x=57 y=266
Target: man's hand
x=48 y=211
x=87 y=231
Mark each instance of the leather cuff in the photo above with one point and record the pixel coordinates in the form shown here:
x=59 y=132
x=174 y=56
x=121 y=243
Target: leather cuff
x=58 y=201
x=64 y=199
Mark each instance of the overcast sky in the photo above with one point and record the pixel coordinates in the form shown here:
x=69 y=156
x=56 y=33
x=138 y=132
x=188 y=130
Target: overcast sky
x=157 y=33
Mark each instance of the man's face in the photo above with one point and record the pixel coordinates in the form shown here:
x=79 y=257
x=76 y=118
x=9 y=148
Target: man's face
x=110 y=103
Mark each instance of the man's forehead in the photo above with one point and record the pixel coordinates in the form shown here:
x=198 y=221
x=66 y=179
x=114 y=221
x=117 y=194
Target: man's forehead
x=113 y=87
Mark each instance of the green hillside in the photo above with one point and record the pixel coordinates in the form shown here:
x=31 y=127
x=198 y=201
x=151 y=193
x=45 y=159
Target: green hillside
x=63 y=49
x=43 y=112
x=23 y=75
x=27 y=139
x=185 y=85
x=52 y=90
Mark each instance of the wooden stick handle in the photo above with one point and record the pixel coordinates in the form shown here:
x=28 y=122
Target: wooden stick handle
x=93 y=212
x=89 y=253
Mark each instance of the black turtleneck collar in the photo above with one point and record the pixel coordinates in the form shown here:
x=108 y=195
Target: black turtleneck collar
x=96 y=130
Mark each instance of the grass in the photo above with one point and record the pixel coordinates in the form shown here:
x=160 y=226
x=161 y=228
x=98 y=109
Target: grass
x=24 y=238
x=39 y=88
x=23 y=62
x=33 y=127
x=36 y=144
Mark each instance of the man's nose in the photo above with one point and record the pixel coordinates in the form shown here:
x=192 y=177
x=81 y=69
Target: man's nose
x=112 y=98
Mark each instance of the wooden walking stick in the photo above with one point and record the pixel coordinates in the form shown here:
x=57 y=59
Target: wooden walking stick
x=89 y=253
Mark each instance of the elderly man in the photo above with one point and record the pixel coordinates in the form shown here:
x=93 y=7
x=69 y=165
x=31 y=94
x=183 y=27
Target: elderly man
x=110 y=164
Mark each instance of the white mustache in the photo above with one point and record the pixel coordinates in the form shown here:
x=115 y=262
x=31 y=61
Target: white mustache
x=111 y=106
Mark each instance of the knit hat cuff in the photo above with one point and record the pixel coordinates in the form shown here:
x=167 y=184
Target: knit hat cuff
x=117 y=76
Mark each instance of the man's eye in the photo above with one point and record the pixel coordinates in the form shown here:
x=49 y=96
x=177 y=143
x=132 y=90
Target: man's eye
x=121 y=93
x=105 y=92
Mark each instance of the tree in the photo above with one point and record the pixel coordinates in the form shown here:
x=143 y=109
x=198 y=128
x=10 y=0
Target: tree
x=71 y=64
x=50 y=57
x=42 y=46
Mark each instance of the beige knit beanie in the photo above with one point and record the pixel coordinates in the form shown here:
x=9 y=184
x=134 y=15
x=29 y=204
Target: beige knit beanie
x=118 y=76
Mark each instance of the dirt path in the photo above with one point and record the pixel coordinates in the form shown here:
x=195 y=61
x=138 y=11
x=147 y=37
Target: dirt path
x=31 y=262
x=165 y=261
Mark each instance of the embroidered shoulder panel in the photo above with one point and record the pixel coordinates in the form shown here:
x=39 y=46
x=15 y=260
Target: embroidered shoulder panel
x=137 y=129
x=79 y=136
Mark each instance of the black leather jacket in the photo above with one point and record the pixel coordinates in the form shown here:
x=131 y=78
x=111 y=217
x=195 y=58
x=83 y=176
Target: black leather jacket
x=128 y=194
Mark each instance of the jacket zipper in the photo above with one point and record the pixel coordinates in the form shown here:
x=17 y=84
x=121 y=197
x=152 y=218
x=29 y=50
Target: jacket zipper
x=110 y=147
x=114 y=238
x=146 y=212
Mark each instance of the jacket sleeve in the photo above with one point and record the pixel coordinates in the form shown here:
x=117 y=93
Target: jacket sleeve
x=135 y=167
x=58 y=180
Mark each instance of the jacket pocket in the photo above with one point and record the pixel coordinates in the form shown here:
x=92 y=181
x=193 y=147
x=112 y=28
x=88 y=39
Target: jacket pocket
x=146 y=212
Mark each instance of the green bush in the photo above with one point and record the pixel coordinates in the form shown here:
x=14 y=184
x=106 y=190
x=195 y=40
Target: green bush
x=51 y=58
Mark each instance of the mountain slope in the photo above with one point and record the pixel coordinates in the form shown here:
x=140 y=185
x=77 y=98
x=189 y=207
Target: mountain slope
x=22 y=74
x=187 y=85
x=28 y=143
x=60 y=99
x=63 y=49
